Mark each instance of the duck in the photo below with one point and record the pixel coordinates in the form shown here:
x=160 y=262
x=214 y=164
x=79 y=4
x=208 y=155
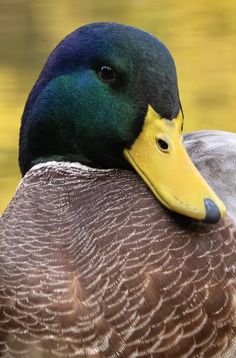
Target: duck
x=114 y=244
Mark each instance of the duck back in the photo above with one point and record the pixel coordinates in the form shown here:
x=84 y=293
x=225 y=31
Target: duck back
x=214 y=154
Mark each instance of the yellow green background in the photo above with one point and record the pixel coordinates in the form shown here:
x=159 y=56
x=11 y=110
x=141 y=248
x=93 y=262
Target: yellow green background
x=201 y=35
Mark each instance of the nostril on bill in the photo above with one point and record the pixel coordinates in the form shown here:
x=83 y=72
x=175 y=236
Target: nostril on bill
x=162 y=144
x=212 y=212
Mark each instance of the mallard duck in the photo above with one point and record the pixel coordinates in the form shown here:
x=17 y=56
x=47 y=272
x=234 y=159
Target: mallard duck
x=92 y=261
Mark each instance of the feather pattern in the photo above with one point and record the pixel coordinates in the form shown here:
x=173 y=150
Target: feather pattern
x=214 y=154
x=93 y=266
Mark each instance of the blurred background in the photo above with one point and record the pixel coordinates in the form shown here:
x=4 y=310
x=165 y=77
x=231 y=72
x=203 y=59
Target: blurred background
x=201 y=36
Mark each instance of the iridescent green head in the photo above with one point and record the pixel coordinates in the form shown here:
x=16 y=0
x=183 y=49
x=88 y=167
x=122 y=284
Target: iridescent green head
x=108 y=97
x=92 y=96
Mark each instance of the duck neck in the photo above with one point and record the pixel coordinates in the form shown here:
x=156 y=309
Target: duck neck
x=50 y=130
x=56 y=127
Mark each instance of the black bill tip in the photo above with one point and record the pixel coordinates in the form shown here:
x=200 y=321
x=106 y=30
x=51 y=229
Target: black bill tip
x=212 y=212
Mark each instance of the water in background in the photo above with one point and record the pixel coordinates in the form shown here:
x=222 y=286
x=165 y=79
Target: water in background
x=200 y=34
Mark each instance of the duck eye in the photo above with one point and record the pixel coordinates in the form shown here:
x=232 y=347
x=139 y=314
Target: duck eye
x=106 y=74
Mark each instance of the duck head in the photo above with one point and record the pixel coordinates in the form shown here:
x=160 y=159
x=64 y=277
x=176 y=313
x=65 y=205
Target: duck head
x=108 y=97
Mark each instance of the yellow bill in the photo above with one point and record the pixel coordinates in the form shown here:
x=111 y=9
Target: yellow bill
x=160 y=158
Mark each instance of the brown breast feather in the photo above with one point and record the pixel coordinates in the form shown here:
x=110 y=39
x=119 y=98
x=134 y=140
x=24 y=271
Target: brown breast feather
x=92 y=266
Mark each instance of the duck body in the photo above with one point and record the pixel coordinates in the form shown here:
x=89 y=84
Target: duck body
x=100 y=269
